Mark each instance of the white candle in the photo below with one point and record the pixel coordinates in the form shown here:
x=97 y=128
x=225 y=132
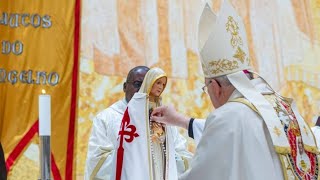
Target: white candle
x=44 y=115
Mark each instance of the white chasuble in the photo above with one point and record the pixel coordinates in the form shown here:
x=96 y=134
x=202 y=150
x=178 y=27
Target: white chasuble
x=136 y=157
x=102 y=141
x=232 y=145
x=103 y=144
x=236 y=144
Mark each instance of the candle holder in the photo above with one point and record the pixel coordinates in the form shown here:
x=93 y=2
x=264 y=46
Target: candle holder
x=44 y=134
x=45 y=158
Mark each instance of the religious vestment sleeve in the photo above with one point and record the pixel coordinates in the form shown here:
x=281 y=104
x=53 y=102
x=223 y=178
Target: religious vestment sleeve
x=100 y=150
x=183 y=156
x=231 y=146
x=197 y=128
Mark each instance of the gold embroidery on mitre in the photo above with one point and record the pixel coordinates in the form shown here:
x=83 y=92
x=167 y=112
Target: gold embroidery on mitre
x=240 y=55
x=233 y=28
x=223 y=65
x=277 y=131
x=205 y=69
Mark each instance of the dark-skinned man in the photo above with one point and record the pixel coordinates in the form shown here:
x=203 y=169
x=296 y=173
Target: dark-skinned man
x=105 y=129
x=103 y=139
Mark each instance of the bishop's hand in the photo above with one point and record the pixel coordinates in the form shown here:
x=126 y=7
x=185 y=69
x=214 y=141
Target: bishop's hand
x=168 y=115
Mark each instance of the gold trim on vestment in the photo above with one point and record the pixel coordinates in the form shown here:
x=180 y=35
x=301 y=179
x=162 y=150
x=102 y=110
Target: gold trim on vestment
x=167 y=155
x=282 y=150
x=185 y=162
x=311 y=149
x=284 y=168
x=148 y=137
x=278 y=149
x=246 y=102
x=99 y=164
x=289 y=168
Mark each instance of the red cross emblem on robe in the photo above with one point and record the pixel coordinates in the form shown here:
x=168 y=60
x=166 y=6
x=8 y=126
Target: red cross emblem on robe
x=128 y=133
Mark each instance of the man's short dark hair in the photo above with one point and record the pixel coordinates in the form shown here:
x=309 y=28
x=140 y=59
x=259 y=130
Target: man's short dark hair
x=129 y=76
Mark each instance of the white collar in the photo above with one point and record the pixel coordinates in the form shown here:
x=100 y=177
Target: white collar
x=120 y=106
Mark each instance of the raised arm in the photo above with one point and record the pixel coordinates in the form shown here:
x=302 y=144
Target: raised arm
x=168 y=115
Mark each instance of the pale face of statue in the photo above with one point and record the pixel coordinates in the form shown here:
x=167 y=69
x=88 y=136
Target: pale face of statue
x=158 y=87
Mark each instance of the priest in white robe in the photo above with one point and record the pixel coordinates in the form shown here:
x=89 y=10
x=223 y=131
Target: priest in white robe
x=253 y=132
x=147 y=150
x=105 y=128
x=237 y=141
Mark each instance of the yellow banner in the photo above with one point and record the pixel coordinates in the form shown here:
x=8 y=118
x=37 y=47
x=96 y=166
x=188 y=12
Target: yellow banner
x=39 y=42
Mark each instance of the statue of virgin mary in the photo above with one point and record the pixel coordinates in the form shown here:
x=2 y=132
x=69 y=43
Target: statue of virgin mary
x=153 y=85
x=149 y=150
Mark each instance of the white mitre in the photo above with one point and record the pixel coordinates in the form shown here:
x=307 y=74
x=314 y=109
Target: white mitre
x=224 y=50
x=222 y=42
